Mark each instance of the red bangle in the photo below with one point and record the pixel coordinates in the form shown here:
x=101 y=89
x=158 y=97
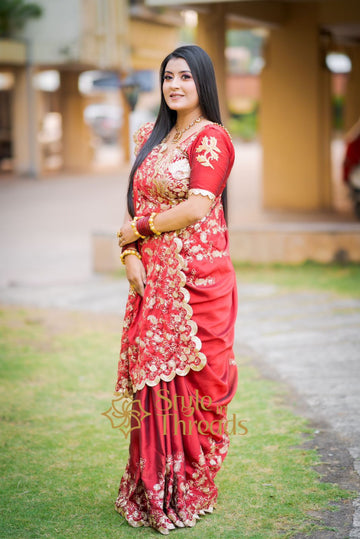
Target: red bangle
x=143 y=226
x=132 y=245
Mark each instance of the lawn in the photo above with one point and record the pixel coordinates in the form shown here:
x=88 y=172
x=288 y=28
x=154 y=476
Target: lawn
x=61 y=461
x=343 y=279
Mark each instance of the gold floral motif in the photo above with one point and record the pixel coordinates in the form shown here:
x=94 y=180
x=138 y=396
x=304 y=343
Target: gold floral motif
x=205 y=282
x=192 y=494
x=210 y=151
x=141 y=135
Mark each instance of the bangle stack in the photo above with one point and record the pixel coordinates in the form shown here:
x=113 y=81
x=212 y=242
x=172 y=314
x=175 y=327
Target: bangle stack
x=127 y=252
x=135 y=229
x=132 y=245
x=144 y=226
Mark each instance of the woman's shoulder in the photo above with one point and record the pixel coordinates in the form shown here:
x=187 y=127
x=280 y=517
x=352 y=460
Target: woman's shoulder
x=142 y=134
x=213 y=129
x=210 y=136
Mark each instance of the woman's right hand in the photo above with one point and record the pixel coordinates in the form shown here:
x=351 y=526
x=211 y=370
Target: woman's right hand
x=135 y=273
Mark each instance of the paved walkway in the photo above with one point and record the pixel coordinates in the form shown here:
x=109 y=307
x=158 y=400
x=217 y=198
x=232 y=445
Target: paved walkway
x=309 y=341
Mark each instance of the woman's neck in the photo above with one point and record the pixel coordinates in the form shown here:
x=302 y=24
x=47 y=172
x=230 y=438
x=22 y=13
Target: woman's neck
x=184 y=119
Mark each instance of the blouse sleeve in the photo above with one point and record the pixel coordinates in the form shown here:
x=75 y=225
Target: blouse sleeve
x=211 y=158
x=141 y=136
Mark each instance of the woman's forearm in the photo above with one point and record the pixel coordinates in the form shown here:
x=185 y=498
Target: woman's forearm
x=184 y=214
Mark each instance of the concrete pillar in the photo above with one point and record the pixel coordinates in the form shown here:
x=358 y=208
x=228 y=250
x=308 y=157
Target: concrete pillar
x=211 y=37
x=295 y=115
x=25 y=121
x=325 y=137
x=76 y=135
x=126 y=130
x=352 y=97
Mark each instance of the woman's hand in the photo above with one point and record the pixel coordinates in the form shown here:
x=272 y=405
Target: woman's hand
x=127 y=234
x=135 y=273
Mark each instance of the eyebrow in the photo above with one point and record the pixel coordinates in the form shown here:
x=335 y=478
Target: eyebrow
x=185 y=71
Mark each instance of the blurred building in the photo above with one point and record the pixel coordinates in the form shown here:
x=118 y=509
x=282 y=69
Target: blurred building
x=41 y=106
x=295 y=109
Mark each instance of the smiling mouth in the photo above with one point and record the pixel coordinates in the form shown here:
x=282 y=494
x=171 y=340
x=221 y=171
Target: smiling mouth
x=176 y=95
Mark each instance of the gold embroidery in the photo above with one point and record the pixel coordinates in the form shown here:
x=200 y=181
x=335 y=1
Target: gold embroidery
x=208 y=146
x=184 y=500
x=205 y=282
x=141 y=135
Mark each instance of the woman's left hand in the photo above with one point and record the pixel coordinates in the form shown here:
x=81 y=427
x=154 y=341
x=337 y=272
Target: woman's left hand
x=127 y=234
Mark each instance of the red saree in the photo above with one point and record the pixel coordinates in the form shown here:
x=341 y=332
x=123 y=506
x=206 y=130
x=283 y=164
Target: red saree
x=176 y=357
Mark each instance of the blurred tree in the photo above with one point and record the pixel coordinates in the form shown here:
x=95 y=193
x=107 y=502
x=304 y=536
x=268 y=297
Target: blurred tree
x=15 y=13
x=245 y=38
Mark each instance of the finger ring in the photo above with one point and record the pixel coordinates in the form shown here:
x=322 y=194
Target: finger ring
x=119 y=234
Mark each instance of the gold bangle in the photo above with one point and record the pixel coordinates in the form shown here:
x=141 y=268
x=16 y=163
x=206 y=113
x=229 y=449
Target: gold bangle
x=133 y=226
x=152 y=226
x=127 y=252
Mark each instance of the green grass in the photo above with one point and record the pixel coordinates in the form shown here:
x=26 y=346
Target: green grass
x=61 y=461
x=341 y=279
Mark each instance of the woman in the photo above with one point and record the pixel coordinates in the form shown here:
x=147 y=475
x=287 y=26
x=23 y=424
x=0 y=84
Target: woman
x=176 y=356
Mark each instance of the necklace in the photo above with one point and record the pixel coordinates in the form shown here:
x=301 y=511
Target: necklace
x=179 y=133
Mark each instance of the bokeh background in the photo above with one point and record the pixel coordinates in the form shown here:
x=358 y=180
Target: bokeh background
x=78 y=77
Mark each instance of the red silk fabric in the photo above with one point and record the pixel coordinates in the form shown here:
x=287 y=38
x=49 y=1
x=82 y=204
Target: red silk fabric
x=177 y=340
x=176 y=454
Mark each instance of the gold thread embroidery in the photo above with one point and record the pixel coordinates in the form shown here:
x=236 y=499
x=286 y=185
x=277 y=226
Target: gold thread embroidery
x=141 y=135
x=210 y=149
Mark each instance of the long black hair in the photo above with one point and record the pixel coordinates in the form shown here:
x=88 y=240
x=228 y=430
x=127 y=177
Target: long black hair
x=203 y=73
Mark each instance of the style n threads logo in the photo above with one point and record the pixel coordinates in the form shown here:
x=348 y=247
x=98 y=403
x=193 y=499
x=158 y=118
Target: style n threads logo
x=127 y=415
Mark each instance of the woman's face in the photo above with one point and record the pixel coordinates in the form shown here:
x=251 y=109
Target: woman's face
x=179 y=87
